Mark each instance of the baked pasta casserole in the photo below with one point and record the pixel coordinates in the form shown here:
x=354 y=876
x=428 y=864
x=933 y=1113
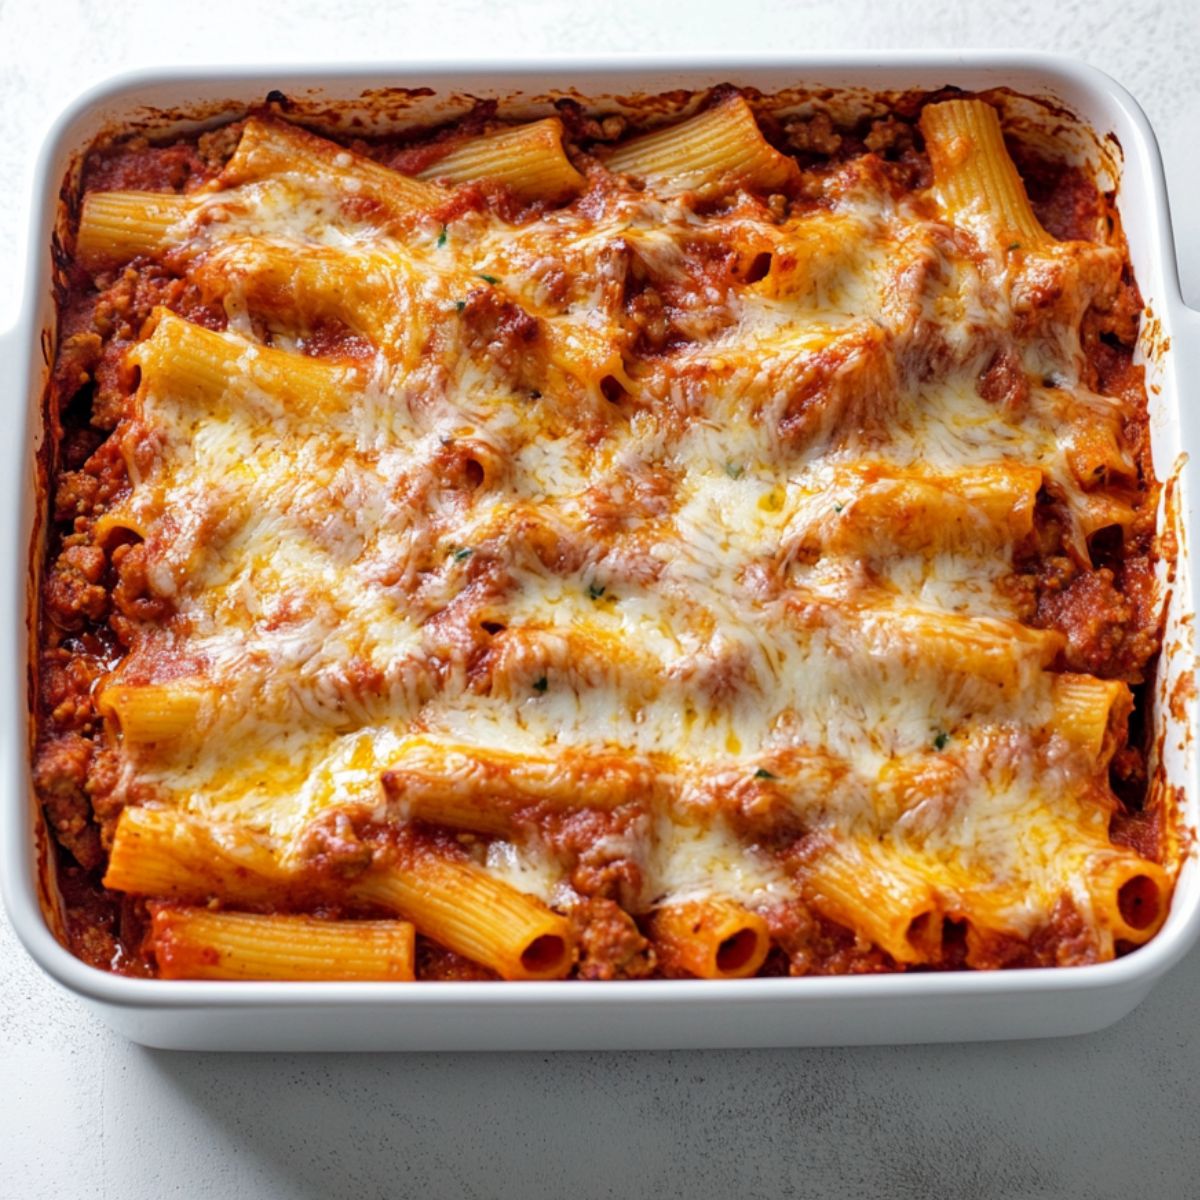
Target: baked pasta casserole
x=715 y=546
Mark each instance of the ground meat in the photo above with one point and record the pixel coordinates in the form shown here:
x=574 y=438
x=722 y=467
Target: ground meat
x=889 y=137
x=216 y=147
x=75 y=495
x=1065 y=200
x=136 y=165
x=834 y=950
x=68 y=678
x=668 y=309
x=793 y=931
x=59 y=776
x=331 y=845
x=412 y=160
x=649 y=318
x=91 y=919
x=813 y=135
x=466 y=198
x=578 y=126
x=72 y=591
x=1128 y=774
x=77 y=359
x=79 y=443
x=1119 y=321
x=1093 y=615
x=1065 y=940
x=610 y=944
x=104 y=774
x=501 y=330
x=105 y=468
x=598 y=874
x=123 y=307
x=115 y=383
x=1109 y=367
x=589 y=844
x=1004 y=382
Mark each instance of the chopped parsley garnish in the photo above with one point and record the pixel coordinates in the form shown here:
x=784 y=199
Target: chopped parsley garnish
x=464 y=553
x=763 y=773
x=488 y=278
x=942 y=740
x=459 y=305
x=595 y=591
x=535 y=394
x=734 y=470
x=838 y=506
x=442 y=238
x=541 y=684
x=1014 y=245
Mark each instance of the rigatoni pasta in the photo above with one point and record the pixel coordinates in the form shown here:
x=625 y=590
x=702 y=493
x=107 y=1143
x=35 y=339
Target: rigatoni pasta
x=185 y=361
x=462 y=907
x=588 y=546
x=974 y=173
x=272 y=149
x=158 y=853
x=115 y=227
x=155 y=712
x=528 y=159
x=714 y=938
x=722 y=145
x=200 y=943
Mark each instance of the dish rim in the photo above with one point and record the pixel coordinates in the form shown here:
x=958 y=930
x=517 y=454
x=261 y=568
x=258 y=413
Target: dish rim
x=18 y=883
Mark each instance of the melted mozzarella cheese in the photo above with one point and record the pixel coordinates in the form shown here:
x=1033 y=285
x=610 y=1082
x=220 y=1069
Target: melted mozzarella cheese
x=323 y=562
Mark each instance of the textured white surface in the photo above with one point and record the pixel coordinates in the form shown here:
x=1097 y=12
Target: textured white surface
x=84 y=1114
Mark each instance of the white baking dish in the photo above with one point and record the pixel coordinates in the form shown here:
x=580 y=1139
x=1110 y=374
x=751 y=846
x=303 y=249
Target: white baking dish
x=756 y=1012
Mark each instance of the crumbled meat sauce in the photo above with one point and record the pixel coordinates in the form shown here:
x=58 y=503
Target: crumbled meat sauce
x=1004 y=382
x=610 y=944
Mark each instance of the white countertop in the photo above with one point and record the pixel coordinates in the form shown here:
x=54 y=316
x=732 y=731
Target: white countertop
x=83 y=1113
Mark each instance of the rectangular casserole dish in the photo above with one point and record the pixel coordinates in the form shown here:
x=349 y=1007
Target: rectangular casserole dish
x=651 y=1014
